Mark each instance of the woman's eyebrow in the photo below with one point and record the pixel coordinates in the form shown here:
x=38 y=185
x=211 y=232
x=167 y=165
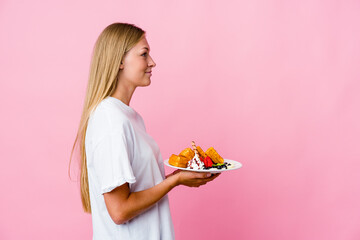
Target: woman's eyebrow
x=145 y=48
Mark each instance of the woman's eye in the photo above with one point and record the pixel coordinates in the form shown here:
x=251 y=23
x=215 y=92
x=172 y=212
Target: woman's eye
x=144 y=54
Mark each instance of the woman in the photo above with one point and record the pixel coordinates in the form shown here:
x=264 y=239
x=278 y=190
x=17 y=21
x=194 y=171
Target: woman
x=123 y=183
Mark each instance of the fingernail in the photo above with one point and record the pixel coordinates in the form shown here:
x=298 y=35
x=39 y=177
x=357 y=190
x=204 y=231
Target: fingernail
x=208 y=175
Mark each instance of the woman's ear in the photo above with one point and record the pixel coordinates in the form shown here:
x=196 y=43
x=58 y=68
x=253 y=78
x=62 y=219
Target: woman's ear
x=121 y=66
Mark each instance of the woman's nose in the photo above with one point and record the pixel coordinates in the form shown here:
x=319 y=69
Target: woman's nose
x=152 y=63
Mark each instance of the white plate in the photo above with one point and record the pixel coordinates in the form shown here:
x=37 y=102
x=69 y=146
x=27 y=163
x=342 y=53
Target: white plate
x=236 y=165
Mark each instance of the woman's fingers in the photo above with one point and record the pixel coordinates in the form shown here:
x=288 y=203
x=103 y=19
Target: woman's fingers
x=203 y=175
x=214 y=176
x=195 y=174
x=196 y=179
x=209 y=176
x=200 y=184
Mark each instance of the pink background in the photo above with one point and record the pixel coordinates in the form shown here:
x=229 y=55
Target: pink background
x=272 y=84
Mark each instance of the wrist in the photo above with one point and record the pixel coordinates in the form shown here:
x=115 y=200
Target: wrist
x=173 y=180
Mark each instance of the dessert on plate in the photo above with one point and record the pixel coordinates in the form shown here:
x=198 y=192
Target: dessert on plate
x=197 y=159
x=195 y=162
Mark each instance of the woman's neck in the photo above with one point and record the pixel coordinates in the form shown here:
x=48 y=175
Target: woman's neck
x=123 y=94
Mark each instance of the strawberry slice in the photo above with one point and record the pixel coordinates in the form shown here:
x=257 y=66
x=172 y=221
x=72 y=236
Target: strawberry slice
x=208 y=162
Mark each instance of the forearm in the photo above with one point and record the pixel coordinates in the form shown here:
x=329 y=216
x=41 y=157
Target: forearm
x=138 y=202
x=124 y=205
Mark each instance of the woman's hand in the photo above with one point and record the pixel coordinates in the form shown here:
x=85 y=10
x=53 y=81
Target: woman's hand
x=193 y=179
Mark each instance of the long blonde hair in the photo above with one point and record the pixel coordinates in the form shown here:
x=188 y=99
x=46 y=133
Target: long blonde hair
x=111 y=46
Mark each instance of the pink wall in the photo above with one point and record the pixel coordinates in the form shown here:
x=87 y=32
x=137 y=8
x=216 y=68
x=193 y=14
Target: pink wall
x=275 y=85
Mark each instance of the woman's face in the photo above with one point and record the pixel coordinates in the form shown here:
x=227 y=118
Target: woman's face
x=135 y=70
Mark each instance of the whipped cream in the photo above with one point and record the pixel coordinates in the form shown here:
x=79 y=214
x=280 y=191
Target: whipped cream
x=195 y=163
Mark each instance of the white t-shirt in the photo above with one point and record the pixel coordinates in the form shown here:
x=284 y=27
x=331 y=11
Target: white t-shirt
x=119 y=150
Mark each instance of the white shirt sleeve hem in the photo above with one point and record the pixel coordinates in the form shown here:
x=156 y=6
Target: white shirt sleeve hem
x=117 y=184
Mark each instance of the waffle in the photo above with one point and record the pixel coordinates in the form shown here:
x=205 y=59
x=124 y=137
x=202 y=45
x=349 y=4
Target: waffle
x=178 y=161
x=215 y=157
x=187 y=153
x=201 y=152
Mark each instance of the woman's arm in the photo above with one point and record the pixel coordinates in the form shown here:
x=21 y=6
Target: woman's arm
x=124 y=205
x=173 y=173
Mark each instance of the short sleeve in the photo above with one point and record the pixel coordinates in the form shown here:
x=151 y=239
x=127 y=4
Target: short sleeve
x=112 y=163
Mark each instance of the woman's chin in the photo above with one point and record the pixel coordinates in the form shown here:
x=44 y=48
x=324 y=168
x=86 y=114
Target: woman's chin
x=144 y=84
x=147 y=83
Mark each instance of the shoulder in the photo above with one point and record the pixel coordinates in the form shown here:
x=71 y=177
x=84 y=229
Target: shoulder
x=107 y=118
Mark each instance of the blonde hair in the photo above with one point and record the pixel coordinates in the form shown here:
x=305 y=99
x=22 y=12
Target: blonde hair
x=111 y=46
